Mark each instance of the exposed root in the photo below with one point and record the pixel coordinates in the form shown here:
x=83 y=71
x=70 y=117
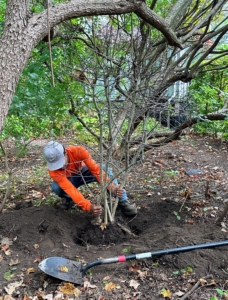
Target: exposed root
x=126 y=230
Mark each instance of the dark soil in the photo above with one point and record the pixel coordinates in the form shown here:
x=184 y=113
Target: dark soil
x=174 y=210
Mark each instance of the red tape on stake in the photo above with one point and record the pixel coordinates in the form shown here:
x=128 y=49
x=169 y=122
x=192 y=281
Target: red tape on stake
x=122 y=258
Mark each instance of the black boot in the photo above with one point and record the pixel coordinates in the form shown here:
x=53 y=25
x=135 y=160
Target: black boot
x=127 y=208
x=67 y=204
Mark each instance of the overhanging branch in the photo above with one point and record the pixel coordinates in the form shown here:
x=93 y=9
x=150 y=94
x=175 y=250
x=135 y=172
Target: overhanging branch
x=169 y=137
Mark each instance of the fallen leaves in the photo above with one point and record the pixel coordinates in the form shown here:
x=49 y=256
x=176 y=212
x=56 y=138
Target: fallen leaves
x=63 y=269
x=186 y=194
x=179 y=294
x=11 y=287
x=30 y=270
x=5 y=241
x=69 y=289
x=133 y=283
x=142 y=274
x=38 y=259
x=135 y=267
x=14 y=262
x=190 y=221
x=166 y=293
x=110 y=286
x=87 y=284
x=6 y=250
x=205 y=282
x=35 y=195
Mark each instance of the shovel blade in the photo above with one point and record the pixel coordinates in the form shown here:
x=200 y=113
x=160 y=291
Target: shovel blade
x=62 y=268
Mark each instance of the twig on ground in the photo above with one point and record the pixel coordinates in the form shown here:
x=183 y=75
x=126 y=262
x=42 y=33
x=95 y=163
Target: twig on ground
x=132 y=219
x=187 y=196
x=225 y=271
x=193 y=289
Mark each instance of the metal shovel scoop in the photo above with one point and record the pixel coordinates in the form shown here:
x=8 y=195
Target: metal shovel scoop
x=62 y=268
x=72 y=271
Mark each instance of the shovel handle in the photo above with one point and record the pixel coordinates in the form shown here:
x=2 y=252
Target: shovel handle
x=123 y=258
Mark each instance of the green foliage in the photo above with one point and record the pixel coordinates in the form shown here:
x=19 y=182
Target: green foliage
x=213 y=127
x=38 y=109
x=127 y=250
x=222 y=294
x=9 y=274
x=177 y=215
x=26 y=127
x=155 y=264
x=171 y=172
x=20 y=148
x=37 y=6
x=208 y=93
x=163 y=6
x=51 y=200
x=188 y=270
x=2 y=14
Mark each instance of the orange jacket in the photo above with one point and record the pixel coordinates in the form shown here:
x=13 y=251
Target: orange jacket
x=78 y=157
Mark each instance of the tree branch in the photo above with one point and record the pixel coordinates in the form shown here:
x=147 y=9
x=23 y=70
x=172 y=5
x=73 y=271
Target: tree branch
x=159 y=23
x=177 y=12
x=176 y=134
x=77 y=8
x=73 y=113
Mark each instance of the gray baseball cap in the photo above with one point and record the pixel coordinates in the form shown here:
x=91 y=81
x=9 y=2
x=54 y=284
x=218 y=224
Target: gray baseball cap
x=54 y=155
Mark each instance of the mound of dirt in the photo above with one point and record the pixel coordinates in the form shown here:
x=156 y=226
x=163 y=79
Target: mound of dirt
x=40 y=232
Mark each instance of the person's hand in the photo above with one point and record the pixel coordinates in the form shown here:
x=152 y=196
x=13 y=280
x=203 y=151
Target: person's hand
x=117 y=190
x=95 y=210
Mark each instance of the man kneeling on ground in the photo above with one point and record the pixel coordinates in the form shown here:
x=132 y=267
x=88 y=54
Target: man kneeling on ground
x=72 y=167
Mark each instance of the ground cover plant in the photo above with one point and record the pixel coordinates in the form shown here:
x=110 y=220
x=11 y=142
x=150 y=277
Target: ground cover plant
x=174 y=210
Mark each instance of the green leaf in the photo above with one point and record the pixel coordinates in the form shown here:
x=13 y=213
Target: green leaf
x=34 y=75
x=8 y=275
x=220 y=292
x=189 y=269
x=126 y=250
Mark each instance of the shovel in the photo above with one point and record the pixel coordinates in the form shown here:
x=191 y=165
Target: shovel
x=73 y=271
